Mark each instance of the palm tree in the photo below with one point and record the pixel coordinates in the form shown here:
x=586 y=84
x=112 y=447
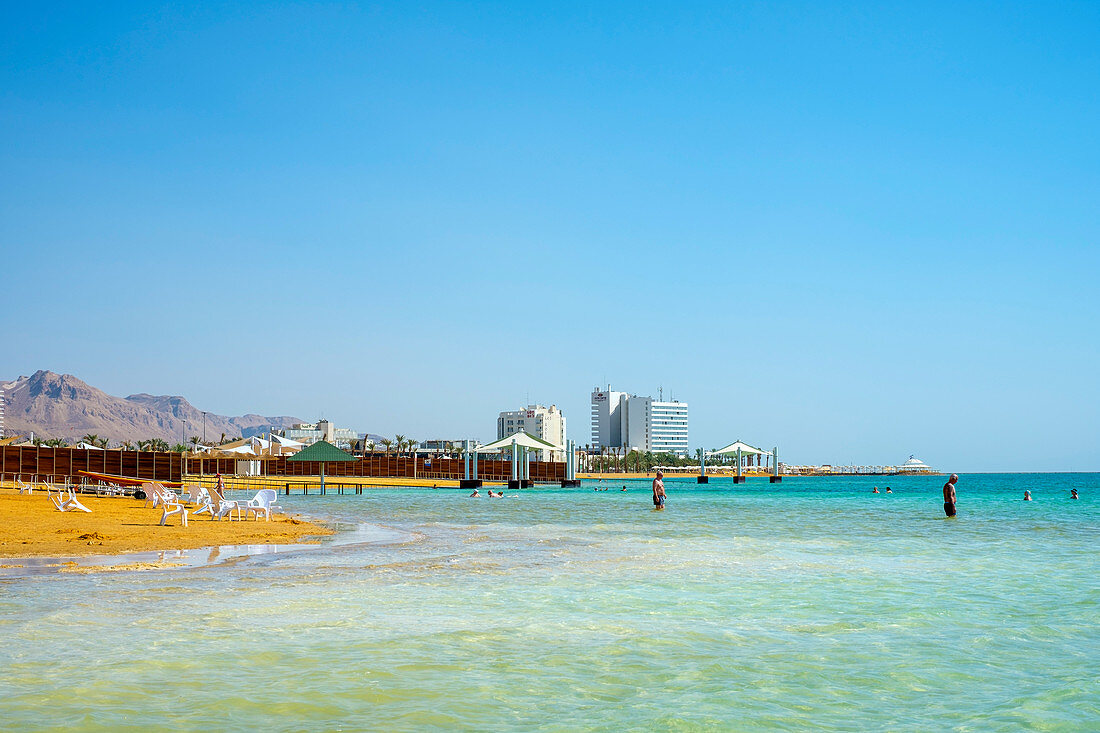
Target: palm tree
x=91 y=439
x=179 y=448
x=368 y=446
x=400 y=441
x=56 y=443
x=387 y=445
x=127 y=445
x=194 y=440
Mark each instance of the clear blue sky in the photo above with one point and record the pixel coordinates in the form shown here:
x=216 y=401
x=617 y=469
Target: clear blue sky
x=856 y=231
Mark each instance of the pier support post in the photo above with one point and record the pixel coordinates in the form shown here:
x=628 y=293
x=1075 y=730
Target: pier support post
x=775 y=478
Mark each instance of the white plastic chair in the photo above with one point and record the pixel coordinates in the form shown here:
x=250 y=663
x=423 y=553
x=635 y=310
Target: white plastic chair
x=264 y=502
x=24 y=488
x=66 y=505
x=173 y=507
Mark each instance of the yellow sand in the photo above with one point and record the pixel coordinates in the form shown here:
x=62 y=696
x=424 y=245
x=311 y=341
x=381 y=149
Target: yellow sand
x=30 y=525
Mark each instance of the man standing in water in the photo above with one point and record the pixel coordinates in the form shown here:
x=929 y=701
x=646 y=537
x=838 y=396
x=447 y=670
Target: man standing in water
x=949 y=495
x=659 y=491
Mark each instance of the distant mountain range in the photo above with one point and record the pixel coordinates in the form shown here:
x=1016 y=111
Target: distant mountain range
x=62 y=406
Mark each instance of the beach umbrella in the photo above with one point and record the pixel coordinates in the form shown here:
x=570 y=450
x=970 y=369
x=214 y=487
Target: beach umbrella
x=323 y=452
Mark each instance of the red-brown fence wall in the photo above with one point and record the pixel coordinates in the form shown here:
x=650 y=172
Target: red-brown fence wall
x=48 y=464
x=379 y=465
x=54 y=464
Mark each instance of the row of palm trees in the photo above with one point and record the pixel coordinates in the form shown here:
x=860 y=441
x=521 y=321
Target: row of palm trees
x=601 y=460
x=397 y=445
x=150 y=445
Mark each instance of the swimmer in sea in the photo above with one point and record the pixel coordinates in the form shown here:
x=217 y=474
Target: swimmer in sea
x=1073 y=493
x=888 y=490
x=659 y=491
x=949 y=495
x=1027 y=496
x=475 y=495
x=874 y=490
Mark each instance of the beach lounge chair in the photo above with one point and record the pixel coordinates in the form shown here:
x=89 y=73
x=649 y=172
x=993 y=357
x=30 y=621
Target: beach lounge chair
x=173 y=506
x=219 y=506
x=196 y=494
x=158 y=494
x=24 y=488
x=263 y=502
x=71 y=504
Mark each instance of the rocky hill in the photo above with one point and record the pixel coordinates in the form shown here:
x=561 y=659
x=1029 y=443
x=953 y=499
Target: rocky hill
x=62 y=406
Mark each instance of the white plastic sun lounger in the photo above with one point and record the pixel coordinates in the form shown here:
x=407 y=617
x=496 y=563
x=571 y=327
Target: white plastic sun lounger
x=158 y=494
x=219 y=506
x=196 y=494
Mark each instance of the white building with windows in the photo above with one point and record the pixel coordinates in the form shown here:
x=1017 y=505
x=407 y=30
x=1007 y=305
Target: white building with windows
x=621 y=420
x=547 y=423
x=310 y=433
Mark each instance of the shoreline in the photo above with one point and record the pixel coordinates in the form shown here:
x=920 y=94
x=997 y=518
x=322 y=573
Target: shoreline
x=30 y=527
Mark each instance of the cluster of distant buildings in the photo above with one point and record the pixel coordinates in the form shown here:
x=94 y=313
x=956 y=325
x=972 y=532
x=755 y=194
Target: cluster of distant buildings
x=620 y=422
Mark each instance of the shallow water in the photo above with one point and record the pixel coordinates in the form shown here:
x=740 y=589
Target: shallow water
x=808 y=603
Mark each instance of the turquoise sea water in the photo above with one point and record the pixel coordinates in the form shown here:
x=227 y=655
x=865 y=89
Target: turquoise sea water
x=812 y=603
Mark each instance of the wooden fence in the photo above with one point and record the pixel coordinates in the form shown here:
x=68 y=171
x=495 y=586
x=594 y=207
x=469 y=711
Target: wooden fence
x=31 y=463
x=63 y=465
x=380 y=465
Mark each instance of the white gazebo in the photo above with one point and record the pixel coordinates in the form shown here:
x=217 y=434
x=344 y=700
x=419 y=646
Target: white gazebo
x=915 y=465
x=743 y=450
x=520 y=444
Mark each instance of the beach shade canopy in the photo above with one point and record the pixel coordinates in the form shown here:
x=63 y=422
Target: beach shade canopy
x=242 y=449
x=323 y=452
x=87 y=446
x=523 y=439
x=287 y=442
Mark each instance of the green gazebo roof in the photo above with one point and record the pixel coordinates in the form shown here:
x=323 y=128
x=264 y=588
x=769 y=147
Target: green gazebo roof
x=322 y=451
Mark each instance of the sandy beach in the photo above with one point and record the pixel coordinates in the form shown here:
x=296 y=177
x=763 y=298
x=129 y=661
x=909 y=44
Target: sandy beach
x=30 y=526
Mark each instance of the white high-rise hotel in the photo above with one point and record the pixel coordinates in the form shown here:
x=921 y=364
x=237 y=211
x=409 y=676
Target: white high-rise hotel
x=621 y=420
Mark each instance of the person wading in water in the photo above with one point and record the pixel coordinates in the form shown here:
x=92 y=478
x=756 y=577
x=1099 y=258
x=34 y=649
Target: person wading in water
x=659 y=491
x=949 y=495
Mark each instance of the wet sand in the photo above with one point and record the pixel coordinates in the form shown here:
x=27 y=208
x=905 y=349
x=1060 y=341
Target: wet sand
x=30 y=526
